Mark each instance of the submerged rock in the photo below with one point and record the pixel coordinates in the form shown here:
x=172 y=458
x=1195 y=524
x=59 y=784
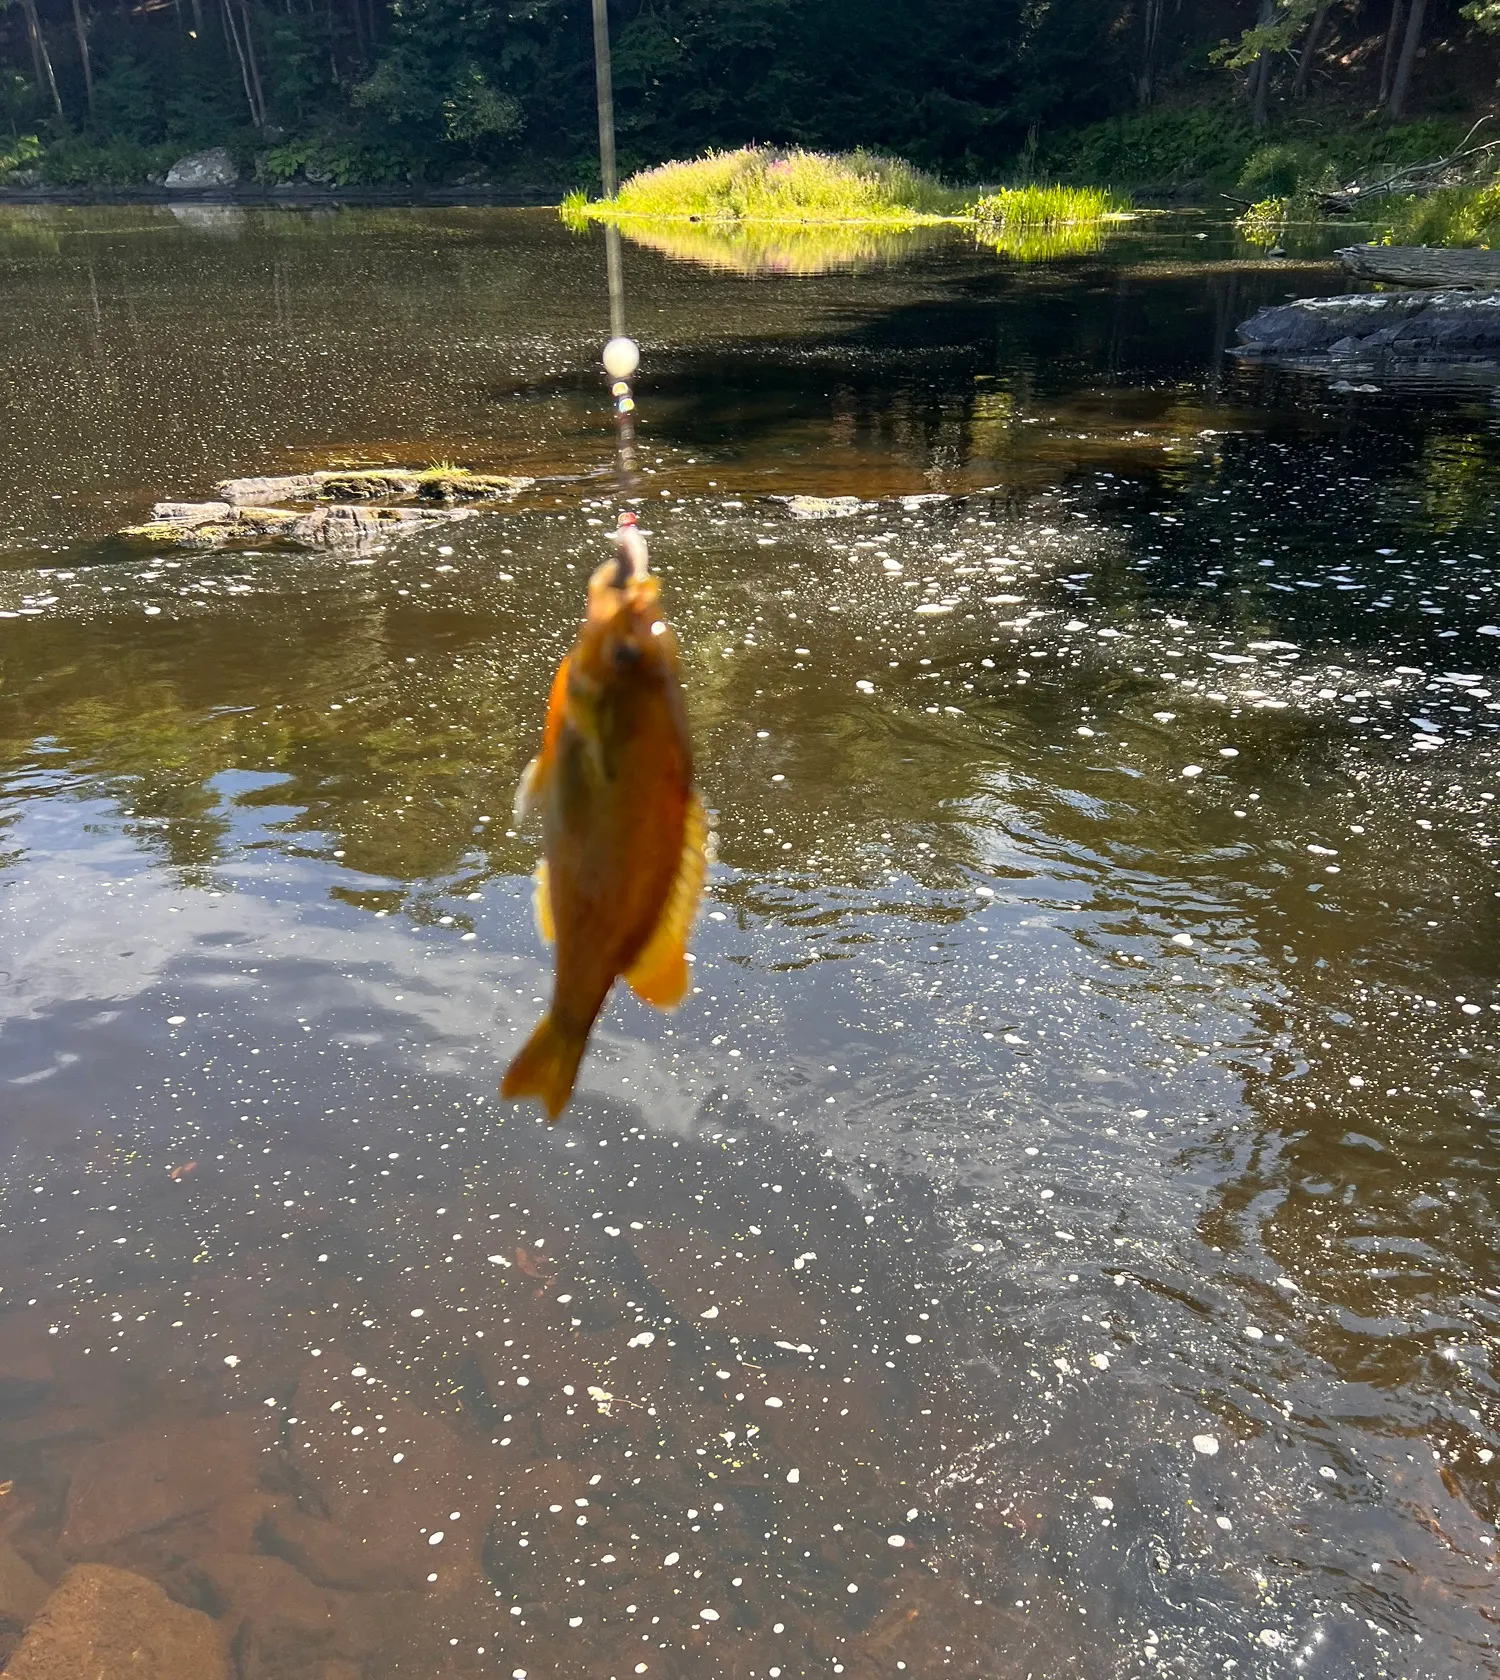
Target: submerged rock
x=200 y=170
x=1431 y=326
x=22 y=1590
x=159 y=1478
x=107 y=1624
x=353 y=530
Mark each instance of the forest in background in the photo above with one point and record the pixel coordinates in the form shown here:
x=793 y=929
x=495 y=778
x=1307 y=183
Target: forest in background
x=1152 y=94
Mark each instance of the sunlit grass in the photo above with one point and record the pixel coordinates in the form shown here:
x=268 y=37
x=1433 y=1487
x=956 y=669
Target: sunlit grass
x=1458 y=216
x=762 y=210
x=1013 y=210
x=764 y=184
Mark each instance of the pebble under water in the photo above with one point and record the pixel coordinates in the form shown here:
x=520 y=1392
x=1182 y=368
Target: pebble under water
x=1056 y=1237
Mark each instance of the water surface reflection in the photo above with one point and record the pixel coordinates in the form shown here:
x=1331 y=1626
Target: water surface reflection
x=1056 y=1236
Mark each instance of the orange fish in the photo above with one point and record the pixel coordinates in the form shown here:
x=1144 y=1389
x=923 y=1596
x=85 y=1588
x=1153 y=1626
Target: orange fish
x=624 y=836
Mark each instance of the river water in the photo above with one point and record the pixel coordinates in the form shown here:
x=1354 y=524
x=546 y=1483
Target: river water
x=1056 y=1236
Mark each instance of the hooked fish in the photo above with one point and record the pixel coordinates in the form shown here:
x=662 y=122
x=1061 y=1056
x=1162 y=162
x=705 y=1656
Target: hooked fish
x=624 y=836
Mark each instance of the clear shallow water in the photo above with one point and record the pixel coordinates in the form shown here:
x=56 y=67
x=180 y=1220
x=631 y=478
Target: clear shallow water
x=1093 y=1046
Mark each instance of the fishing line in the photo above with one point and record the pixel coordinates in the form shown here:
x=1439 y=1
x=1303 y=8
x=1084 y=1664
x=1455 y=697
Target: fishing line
x=622 y=355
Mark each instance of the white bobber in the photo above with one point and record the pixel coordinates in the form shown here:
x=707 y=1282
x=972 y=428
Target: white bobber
x=622 y=356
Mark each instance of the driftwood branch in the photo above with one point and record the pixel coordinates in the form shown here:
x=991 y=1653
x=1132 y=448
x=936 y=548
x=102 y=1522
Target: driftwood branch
x=1413 y=179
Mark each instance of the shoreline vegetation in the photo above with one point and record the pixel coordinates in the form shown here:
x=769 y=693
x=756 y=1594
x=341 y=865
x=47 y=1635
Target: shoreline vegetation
x=799 y=211
x=1451 y=202
x=1170 y=103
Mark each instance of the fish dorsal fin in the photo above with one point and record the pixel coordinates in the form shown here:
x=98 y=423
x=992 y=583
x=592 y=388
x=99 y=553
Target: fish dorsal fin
x=541 y=904
x=659 y=974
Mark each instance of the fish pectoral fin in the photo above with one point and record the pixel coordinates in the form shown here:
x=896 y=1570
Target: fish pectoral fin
x=527 y=791
x=541 y=904
x=659 y=975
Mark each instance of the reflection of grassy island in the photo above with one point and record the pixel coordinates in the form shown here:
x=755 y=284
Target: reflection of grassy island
x=759 y=196
x=783 y=247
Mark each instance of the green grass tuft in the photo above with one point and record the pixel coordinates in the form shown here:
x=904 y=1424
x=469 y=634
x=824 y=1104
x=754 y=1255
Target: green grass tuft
x=1017 y=210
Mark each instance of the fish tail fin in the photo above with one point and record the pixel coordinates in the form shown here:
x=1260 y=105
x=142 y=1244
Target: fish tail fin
x=546 y=1066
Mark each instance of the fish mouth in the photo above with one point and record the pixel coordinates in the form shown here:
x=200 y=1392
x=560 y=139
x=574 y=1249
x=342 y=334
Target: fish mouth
x=632 y=561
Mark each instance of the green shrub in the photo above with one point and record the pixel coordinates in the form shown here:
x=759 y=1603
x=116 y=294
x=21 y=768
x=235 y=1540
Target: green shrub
x=76 y=162
x=1274 y=171
x=1264 y=224
x=336 y=160
x=1155 y=149
x=1215 y=147
x=21 y=153
x=1461 y=216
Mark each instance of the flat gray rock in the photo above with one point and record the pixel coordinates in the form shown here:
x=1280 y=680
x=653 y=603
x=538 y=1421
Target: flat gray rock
x=1430 y=326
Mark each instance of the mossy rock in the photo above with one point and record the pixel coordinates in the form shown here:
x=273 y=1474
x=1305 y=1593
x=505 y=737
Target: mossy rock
x=446 y=485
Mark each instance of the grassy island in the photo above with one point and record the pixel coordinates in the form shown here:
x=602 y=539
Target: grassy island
x=724 y=207
x=764 y=184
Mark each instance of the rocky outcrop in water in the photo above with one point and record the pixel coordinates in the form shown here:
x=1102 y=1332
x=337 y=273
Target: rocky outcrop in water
x=107 y=1624
x=1400 y=327
x=335 y=512
x=351 y=530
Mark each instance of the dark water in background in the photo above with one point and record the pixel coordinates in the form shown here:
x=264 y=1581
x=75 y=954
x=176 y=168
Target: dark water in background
x=1093 y=1045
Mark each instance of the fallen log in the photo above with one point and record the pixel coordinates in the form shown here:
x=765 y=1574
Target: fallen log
x=1422 y=265
x=1389 y=327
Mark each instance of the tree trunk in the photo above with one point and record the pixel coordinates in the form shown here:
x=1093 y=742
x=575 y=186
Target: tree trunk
x=233 y=35
x=357 y=16
x=1150 y=29
x=81 y=29
x=1402 y=85
x=1260 y=76
x=1388 y=57
x=260 y=92
x=1309 y=47
x=40 y=57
